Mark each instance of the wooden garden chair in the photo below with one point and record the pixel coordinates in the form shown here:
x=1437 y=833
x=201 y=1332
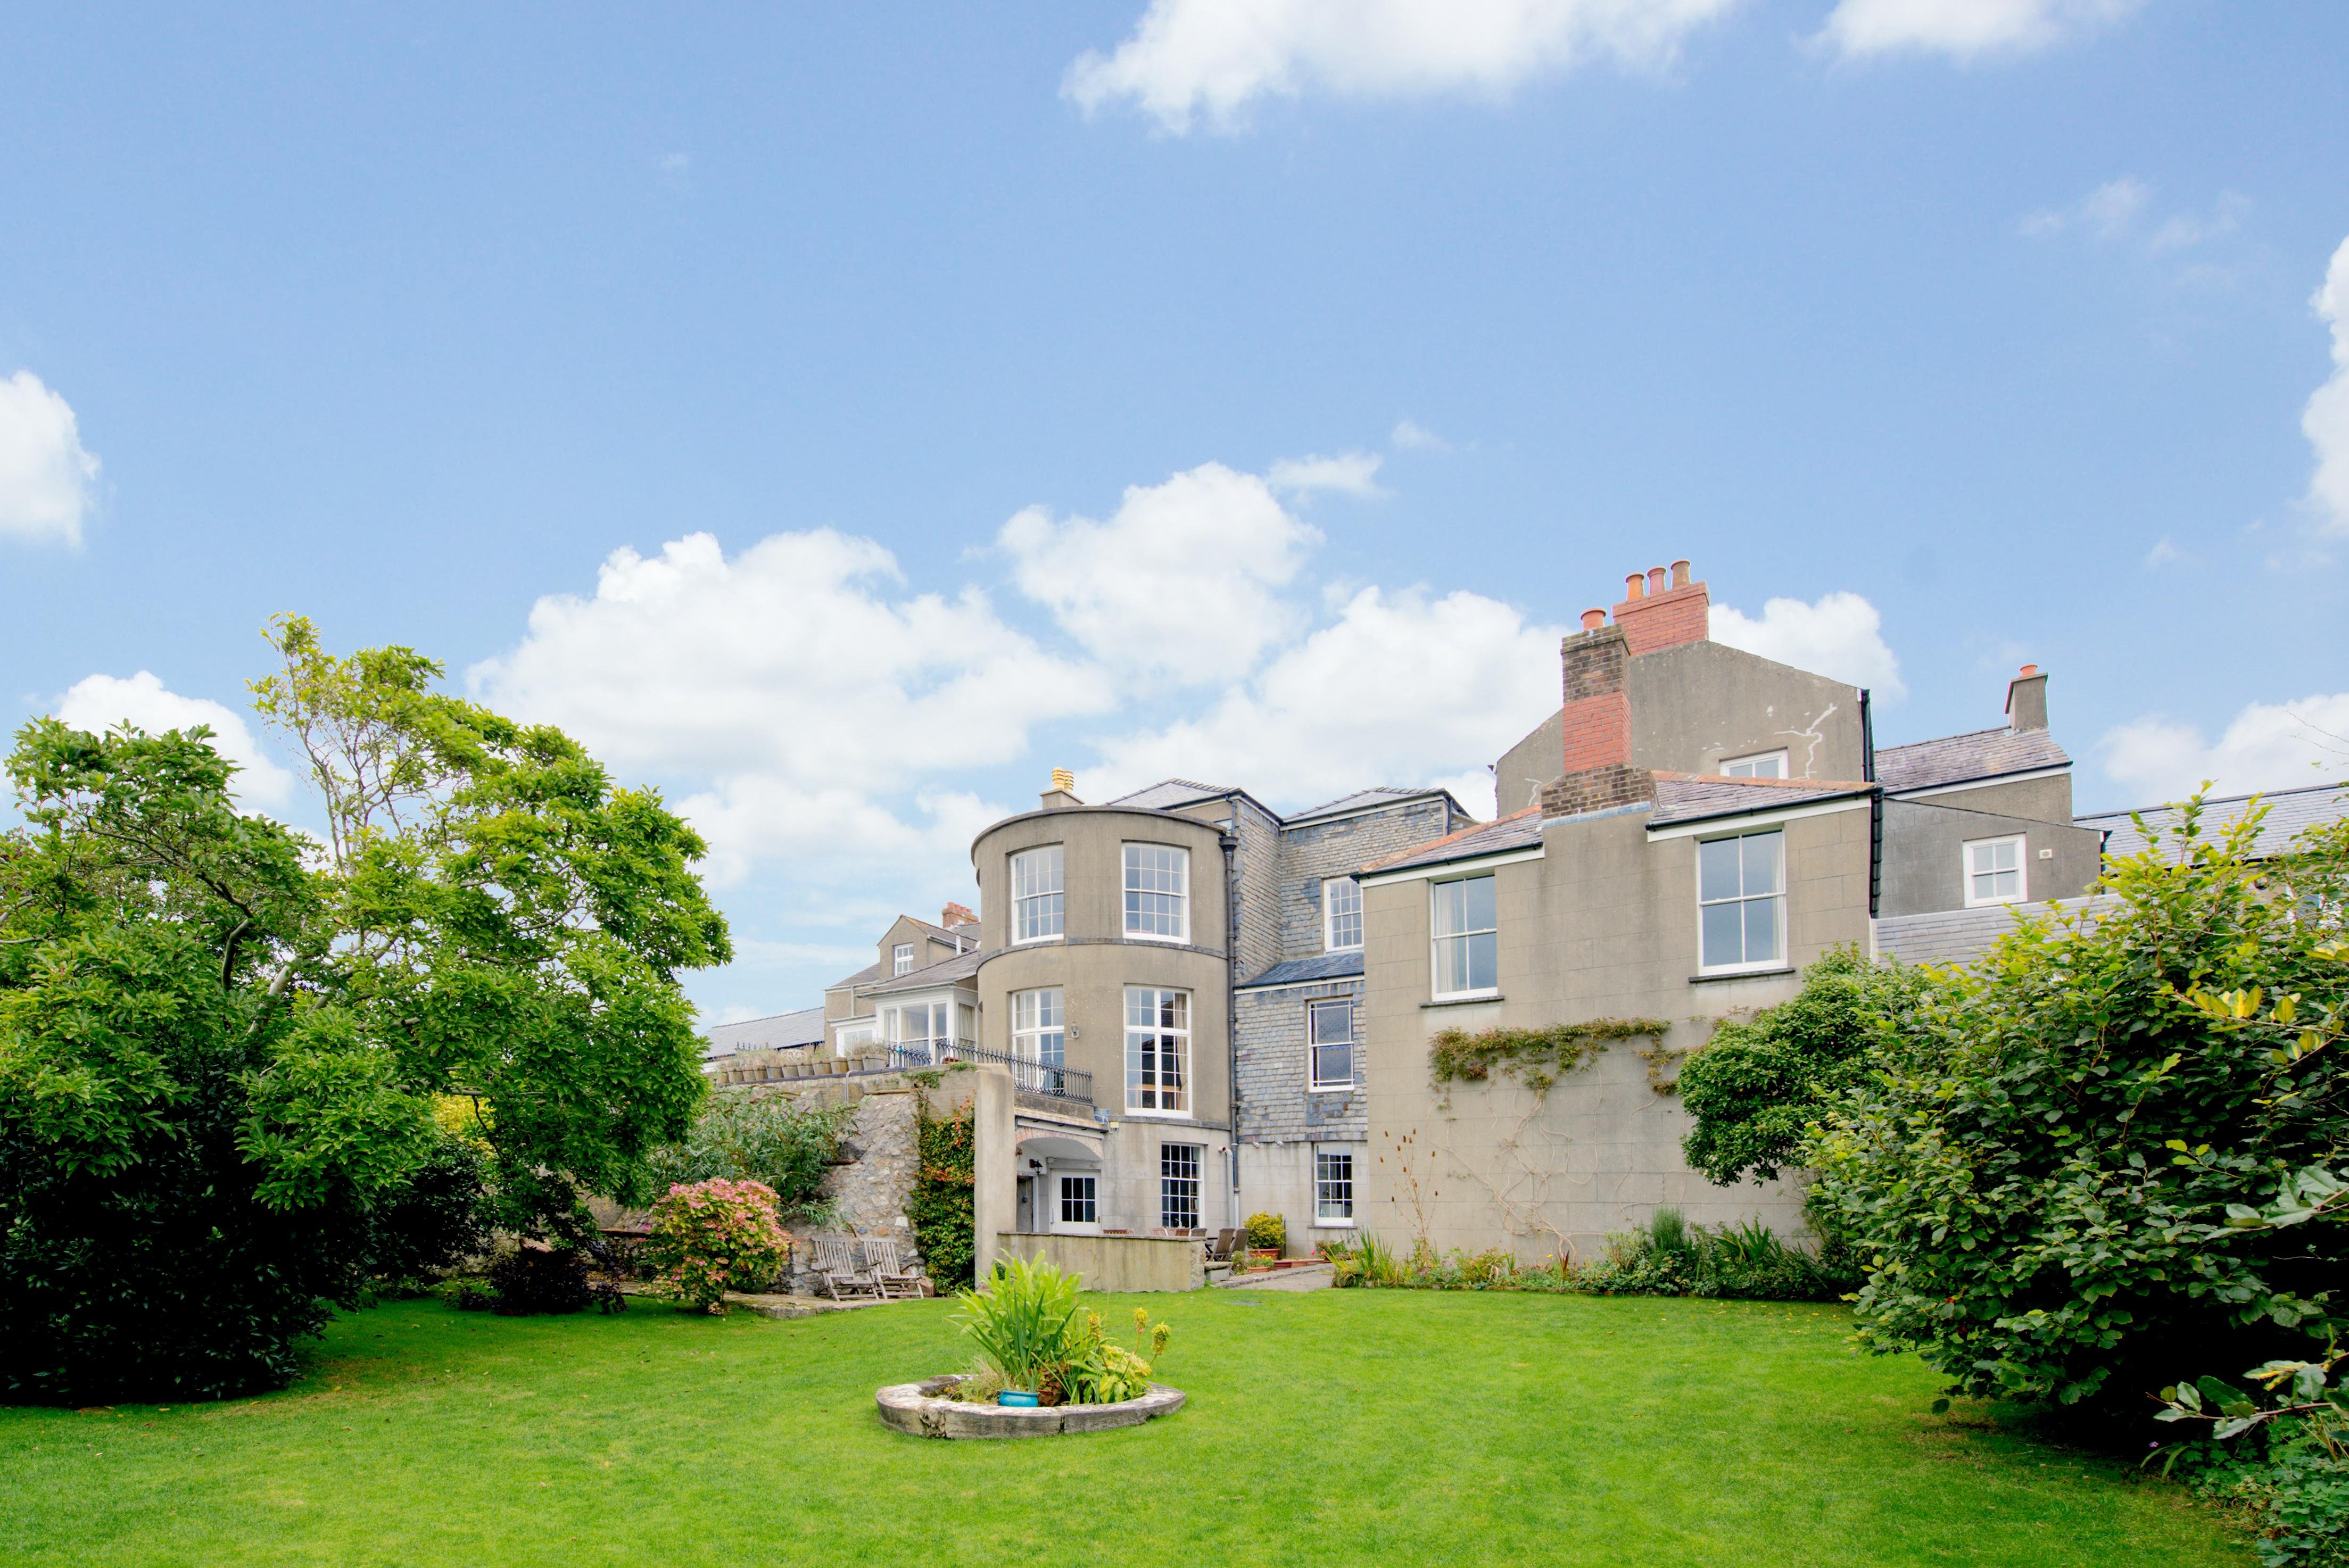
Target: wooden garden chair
x=839 y=1271
x=1219 y=1251
x=886 y=1270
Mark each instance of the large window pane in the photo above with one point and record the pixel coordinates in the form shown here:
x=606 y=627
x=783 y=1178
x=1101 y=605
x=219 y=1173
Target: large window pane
x=1178 y=1185
x=1468 y=947
x=1716 y=869
x=1157 y=1048
x=1760 y=930
x=1333 y=1186
x=1725 y=941
x=1036 y=895
x=1331 y=1026
x=1341 y=915
x=1761 y=857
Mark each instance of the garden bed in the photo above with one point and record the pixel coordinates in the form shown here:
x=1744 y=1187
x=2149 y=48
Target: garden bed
x=920 y=1409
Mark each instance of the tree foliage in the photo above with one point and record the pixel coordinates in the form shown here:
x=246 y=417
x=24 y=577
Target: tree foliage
x=1758 y=1083
x=222 y=1053
x=2055 y=1171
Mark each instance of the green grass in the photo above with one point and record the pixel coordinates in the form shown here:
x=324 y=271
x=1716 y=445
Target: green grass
x=1341 y=1426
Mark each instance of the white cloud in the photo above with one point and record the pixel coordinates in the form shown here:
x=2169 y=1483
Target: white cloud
x=2186 y=230
x=1402 y=689
x=2268 y=745
x=1965 y=29
x=1183 y=582
x=792 y=685
x=1354 y=473
x=101 y=702
x=1839 y=636
x=1186 y=58
x=2164 y=554
x=1410 y=437
x=2326 y=418
x=2107 y=211
x=46 y=477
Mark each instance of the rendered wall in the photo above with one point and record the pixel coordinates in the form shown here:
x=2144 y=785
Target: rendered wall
x=1604 y=925
x=1115 y=1264
x=1924 y=854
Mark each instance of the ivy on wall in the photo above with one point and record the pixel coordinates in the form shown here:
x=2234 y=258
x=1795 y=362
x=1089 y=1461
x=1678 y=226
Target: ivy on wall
x=1535 y=1058
x=941 y=1211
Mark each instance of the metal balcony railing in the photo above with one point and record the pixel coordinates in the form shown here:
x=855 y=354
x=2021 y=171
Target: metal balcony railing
x=1032 y=1077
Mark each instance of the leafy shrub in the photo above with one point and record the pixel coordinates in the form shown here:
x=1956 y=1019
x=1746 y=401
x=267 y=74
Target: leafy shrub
x=715 y=1236
x=1753 y=1088
x=532 y=1280
x=2042 y=1167
x=1018 y=1319
x=433 y=1221
x=940 y=1210
x=469 y=1294
x=1268 y=1232
x=742 y=1136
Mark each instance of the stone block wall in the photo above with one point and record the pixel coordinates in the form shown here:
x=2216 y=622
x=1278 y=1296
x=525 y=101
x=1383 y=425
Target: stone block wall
x=1318 y=851
x=1275 y=1103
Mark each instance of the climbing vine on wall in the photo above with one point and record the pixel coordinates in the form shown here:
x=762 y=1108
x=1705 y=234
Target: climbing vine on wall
x=945 y=1224
x=1535 y=1058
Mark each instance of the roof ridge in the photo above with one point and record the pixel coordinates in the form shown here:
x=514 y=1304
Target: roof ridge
x=1954 y=734
x=2209 y=800
x=1764 y=783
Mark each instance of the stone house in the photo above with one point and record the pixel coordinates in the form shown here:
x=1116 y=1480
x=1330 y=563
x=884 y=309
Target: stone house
x=1690 y=827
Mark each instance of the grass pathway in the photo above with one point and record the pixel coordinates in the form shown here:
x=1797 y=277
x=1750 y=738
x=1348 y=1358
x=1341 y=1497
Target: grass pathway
x=1339 y=1427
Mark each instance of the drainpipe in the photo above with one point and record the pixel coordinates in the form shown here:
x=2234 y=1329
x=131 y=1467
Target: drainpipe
x=1231 y=843
x=1875 y=806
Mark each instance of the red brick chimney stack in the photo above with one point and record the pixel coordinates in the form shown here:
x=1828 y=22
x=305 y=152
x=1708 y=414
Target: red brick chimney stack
x=1663 y=609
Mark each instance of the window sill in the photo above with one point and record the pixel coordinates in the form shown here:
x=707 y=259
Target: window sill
x=1183 y=941
x=1158 y=1116
x=1332 y=1088
x=1464 y=999
x=1334 y=1224
x=1742 y=974
x=1035 y=941
x=1995 y=903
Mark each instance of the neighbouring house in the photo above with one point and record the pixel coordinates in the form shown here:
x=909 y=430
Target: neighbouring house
x=1691 y=826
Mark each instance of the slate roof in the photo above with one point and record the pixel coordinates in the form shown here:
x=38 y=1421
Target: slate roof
x=865 y=976
x=1699 y=796
x=2290 y=813
x=944 y=972
x=1169 y=793
x=1958 y=936
x=1962 y=758
x=805 y=1028
x=1520 y=830
x=1362 y=800
x=1319 y=966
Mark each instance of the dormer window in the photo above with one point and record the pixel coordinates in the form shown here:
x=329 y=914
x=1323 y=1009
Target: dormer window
x=1761 y=764
x=902 y=959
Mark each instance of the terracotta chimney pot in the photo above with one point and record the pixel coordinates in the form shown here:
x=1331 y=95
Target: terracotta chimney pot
x=1680 y=573
x=1593 y=619
x=1635 y=586
x=1655 y=579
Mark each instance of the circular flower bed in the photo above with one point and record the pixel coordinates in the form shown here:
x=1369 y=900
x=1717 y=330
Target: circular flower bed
x=928 y=1410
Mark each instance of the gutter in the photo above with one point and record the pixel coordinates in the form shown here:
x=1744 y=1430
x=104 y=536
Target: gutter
x=1231 y=844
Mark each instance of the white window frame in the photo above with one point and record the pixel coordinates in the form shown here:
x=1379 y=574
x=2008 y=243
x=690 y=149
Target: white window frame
x=1730 y=765
x=1181 y=895
x=1056 y=917
x=1197 y=1180
x=1785 y=937
x=1436 y=939
x=1061 y=1199
x=1039 y=1021
x=1329 y=942
x=902 y=957
x=1313 y=1012
x=2022 y=869
x=861 y=1032
x=1155 y=1099
x=938 y=1007
x=1323 y=1220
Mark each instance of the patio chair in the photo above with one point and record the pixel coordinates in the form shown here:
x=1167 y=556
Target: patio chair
x=886 y=1270
x=839 y=1272
x=1219 y=1251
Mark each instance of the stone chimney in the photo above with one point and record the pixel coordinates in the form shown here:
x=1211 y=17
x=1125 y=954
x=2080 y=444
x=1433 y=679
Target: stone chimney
x=2026 y=699
x=1597 y=721
x=1062 y=794
x=954 y=914
x=1661 y=609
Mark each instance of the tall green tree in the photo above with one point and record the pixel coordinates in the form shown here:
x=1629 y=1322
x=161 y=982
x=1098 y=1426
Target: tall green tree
x=510 y=922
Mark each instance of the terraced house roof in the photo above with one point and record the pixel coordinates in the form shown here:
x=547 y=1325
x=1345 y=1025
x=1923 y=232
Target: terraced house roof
x=2290 y=813
x=1699 y=796
x=1962 y=758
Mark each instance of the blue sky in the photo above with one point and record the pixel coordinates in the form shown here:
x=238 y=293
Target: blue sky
x=975 y=390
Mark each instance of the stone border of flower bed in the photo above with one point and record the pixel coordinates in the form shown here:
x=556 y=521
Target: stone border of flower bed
x=906 y=1407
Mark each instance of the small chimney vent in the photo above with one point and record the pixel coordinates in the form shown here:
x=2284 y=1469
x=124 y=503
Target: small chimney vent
x=1593 y=619
x=1064 y=781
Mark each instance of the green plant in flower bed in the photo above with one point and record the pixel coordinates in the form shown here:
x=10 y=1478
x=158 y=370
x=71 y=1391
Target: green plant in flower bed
x=1268 y=1232
x=1025 y=1321
x=714 y=1236
x=1669 y=1257
x=1537 y=1058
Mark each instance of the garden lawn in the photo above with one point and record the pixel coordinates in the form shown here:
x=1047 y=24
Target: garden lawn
x=1339 y=1426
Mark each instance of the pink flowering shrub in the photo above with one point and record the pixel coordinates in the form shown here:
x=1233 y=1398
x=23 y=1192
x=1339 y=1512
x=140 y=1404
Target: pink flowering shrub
x=711 y=1237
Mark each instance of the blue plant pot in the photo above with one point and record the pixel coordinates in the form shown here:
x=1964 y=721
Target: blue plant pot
x=1016 y=1399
